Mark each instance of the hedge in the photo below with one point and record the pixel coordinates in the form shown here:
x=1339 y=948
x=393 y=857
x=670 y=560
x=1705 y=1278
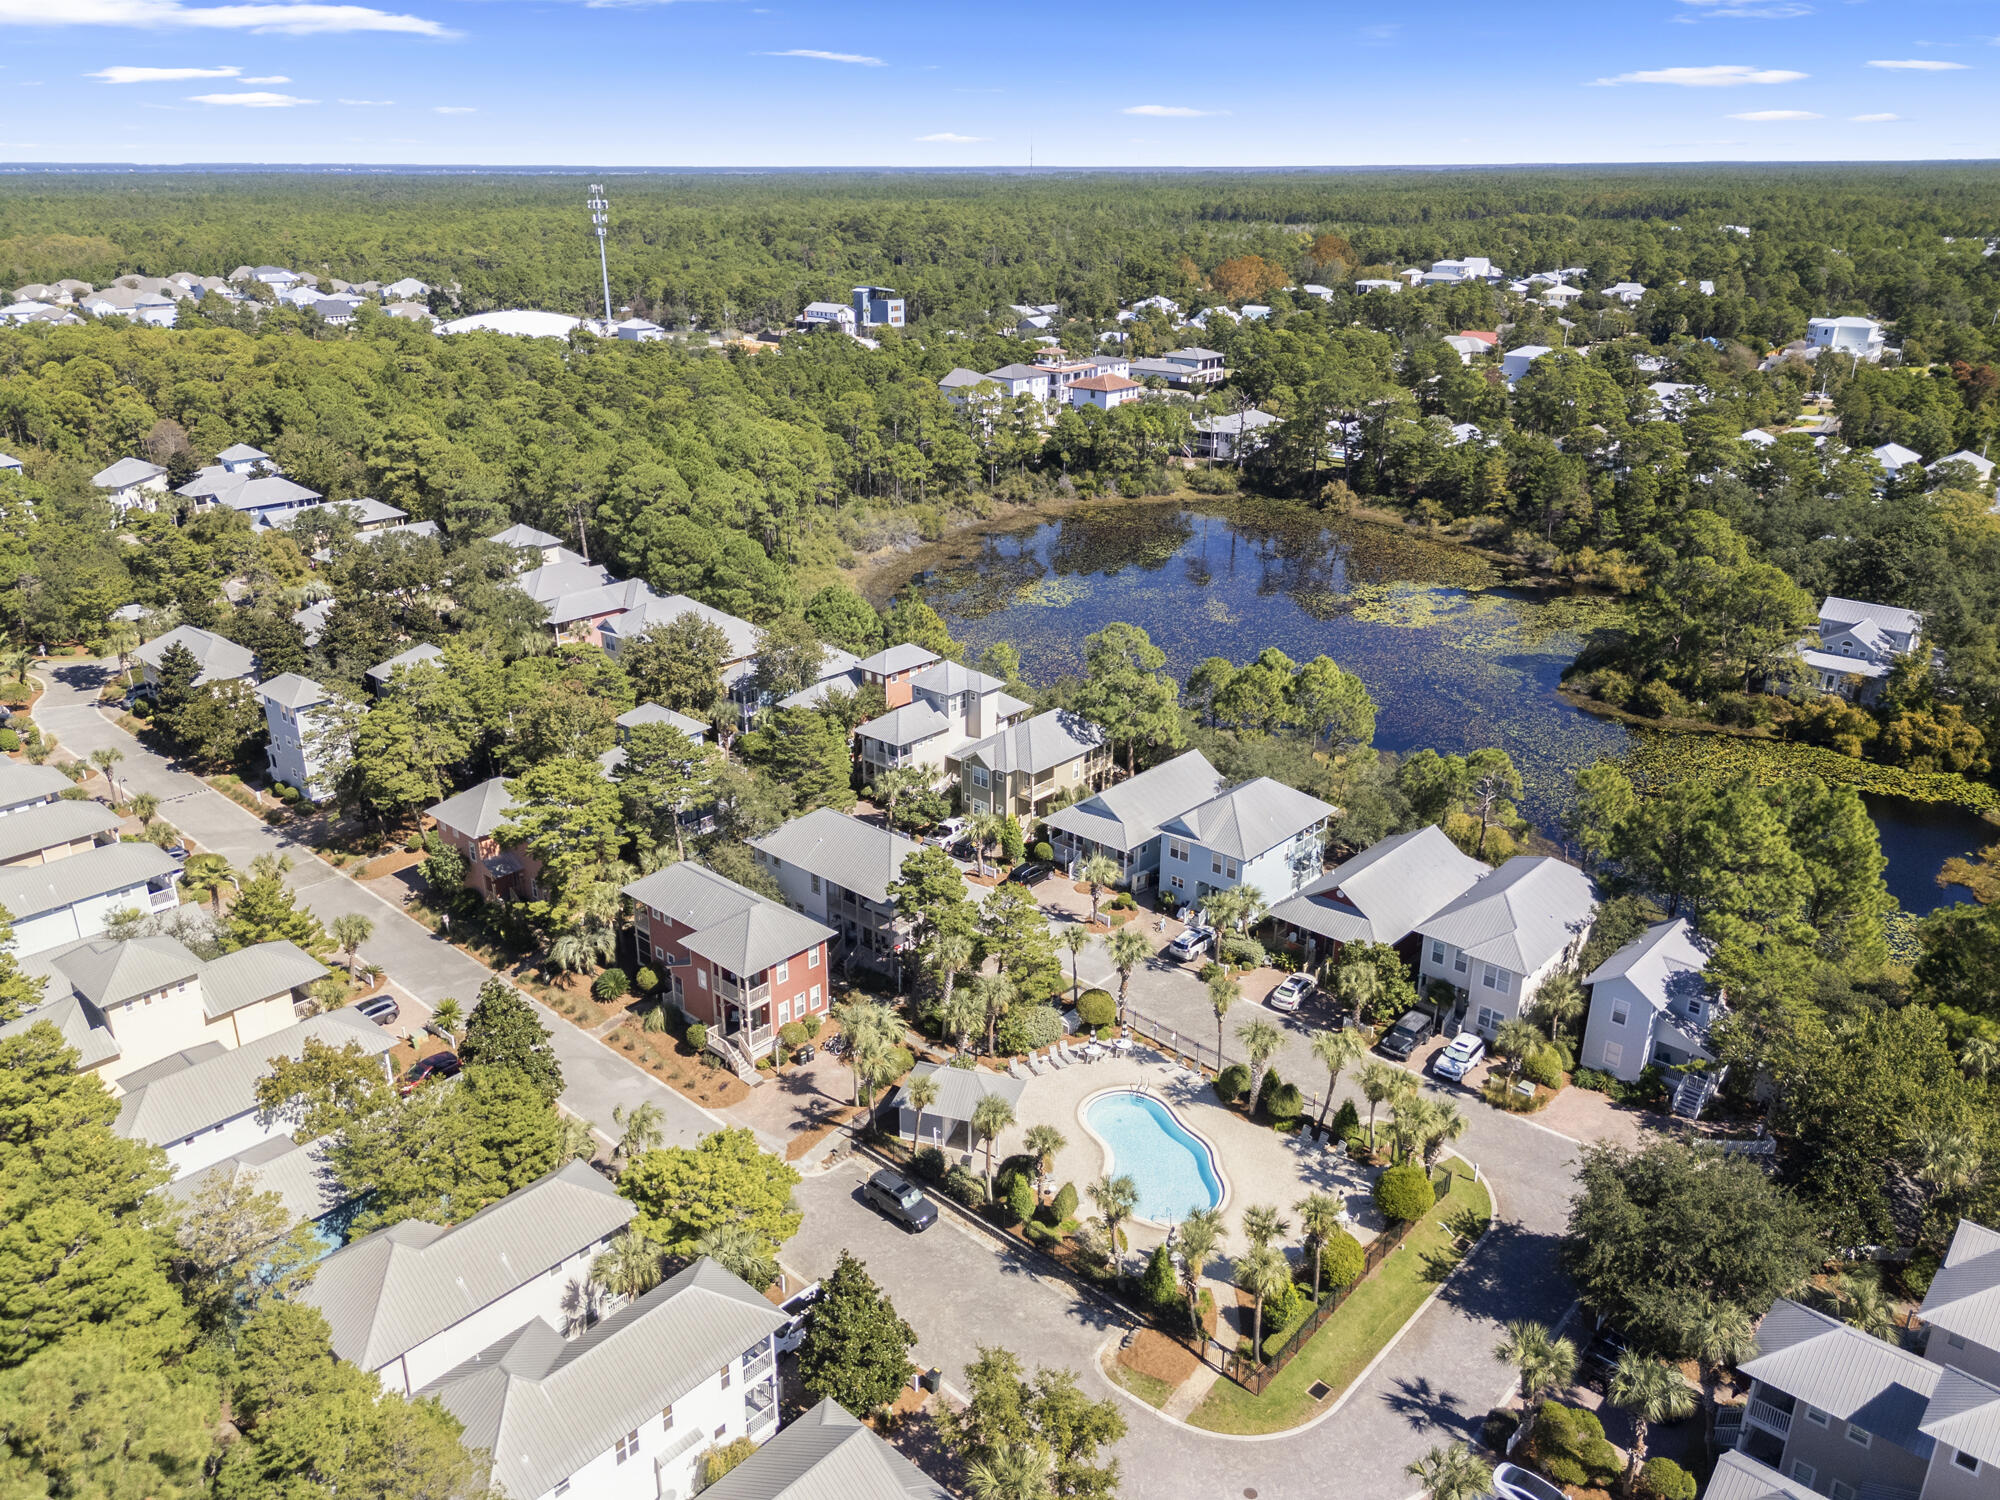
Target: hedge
x=1404 y=1193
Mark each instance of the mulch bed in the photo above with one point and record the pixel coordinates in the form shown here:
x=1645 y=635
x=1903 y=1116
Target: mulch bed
x=1153 y=1353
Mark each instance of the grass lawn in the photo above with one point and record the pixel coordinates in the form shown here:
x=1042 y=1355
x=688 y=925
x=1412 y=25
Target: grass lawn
x=1148 y=1388
x=1357 y=1333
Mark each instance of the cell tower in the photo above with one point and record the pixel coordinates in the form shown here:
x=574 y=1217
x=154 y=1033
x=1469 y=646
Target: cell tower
x=600 y=219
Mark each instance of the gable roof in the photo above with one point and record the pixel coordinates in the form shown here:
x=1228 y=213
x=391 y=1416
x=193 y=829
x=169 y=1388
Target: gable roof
x=905 y=656
x=961 y=1089
x=1838 y=611
x=240 y=453
x=1663 y=963
x=1520 y=916
x=220 y=659
x=24 y=781
x=255 y=973
x=522 y=535
x=1035 y=745
x=51 y=823
x=843 y=849
x=1964 y=1296
x=728 y=925
x=1843 y=1371
x=654 y=609
x=1964 y=1413
x=948 y=678
x=1738 y=1476
x=387 y=1292
x=554 y=580
x=110 y=973
x=1248 y=819
x=1384 y=892
x=247 y=491
x=653 y=713
x=416 y=656
x=906 y=725
x=127 y=471
x=826 y=1454
x=962 y=377
x=544 y=1406
x=297 y=1172
x=29 y=890
x=477 y=811
x=1126 y=815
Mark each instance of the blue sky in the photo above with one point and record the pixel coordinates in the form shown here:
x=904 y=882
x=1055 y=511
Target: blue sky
x=852 y=83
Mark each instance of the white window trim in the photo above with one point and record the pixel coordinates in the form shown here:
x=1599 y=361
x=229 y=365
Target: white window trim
x=1965 y=1460
x=1861 y=1437
x=1620 y=1014
x=1815 y=1416
x=1804 y=1473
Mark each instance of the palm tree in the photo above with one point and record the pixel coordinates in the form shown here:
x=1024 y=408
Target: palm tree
x=739 y=1250
x=1359 y=985
x=1321 y=1217
x=208 y=875
x=643 y=1125
x=632 y=1267
x=868 y=1026
x=944 y=955
x=1261 y=1040
x=1651 y=1392
x=1012 y=1471
x=349 y=931
x=1073 y=939
x=1559 y=1002
x=1410 y=1128
x=1546 y=1363
x=1861 y=1303
x=991 y=1115
x=446 y=1017
x=1201 y=1239
x=1514 y=1041
x=1128 y=948
x=1454 y=1473
x=995 y=993
x=1100 y=872
x=920 y=1093
x=1262 y=1272
x=1223 y=992
x=1262 y=1223
x=894 y=784
x=1335 y=1050
x=1044 y=1142
x=1380 y=1082
x=1979 y=1056
x=985 y=830
x=1948 y=1162
x=1724 y=1334
x=1116 y=1199
x=104 y=760
x=145 y=807
x=123 y=639
x=582 y=1301
x=1446 y=1126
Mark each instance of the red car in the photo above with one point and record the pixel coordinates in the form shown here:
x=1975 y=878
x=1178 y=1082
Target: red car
x=437 y=1065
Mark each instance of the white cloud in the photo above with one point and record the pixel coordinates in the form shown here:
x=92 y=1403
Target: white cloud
x=251 y=100
x=1718 y=76
x=367 y=103
x=950 y=138
x=1768 y=10
x=1873 y=119
x=857 y=58
x=161 y=75
x=283 y=17
x=1918 y=65
x=1170 y=111
x=454 y=109
x=1778 y=114
x=269 y=78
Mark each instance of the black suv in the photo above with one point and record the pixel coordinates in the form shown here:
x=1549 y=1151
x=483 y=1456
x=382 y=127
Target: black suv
x=1400 y=1040
x=901 y=1201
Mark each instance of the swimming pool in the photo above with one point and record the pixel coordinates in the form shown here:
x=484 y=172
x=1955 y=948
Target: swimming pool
x=1173 y=1168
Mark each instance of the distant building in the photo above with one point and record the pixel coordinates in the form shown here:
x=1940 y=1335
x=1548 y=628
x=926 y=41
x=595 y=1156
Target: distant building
x=1104 y=391
x=1858 y=645
x=294 y=756
x=468 y=822
x=220 y=659
x=1859 y=338
x=1223 y=438
x=877 y=307
x=517 y=322
x=132 y=482
x=1515 y=362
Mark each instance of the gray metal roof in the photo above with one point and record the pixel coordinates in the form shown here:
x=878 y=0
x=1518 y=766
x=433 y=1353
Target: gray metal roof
x=1664 y=963
x=947 y=678
x=557 y=579
x=544 y=1407
x=387 y=1292
x=297 y=1173
x=653 y=610
x=1035 y=745
x=108 y=973
x=737 y=928
x=826 y=1454
x=290 y=690
x=653 y=713
x=1738 y=1476
x=961 y=1089
x=24 y=781
x=1964 y=1296
x=1840 y=611
x=477 y=811
x=29 y=890
x=1126 y=815
x=842 y=849
x=36 y=828
x=620 y=596
x=906 y=725
x=1850 y=1374
x=82 y=1026
x=905 y=657
x=416 y=656
x=256 y=973
x=1384 y=892
x=1964 y=1413
x=238 y=452
x=125 y=471
x=246 y=491
x=221 y=659
x=1246 y=820
x=1520 y=916
x=200 y=1088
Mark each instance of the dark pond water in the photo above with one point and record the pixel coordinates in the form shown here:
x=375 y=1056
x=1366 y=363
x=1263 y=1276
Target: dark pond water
x=1455 y=658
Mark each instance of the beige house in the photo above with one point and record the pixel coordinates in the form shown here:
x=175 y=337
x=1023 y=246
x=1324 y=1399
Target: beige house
x=1019 y=770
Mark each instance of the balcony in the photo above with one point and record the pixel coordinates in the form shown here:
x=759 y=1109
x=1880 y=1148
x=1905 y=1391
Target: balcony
x=1773 y=1419
x=760 y=1408
x=756 y=1367
x=165 y=900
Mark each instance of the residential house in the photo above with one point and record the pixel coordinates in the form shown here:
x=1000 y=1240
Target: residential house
x=826 y=1453
x=1498 y=942
x=950 y=706
x=1857 y=338
x=408 y=287
x=1190 y=369
x=1110 y=364
x=1676 y=398
x=1165 y=305
x=468 y=822
x=1627 y=292
x=1223 y=438
x=413 y=1302
x=199 y=1105
x=1031 y=381
x=124 y=302
x=1469 y=348
x=1515 y=362
x=382 y=675
x=73 y=898
x=1381 y=895
x=648 y=713
x=739 y=963
x=1981 y=467
x=963 y=385
x=1123 y=821
x=739 y=656
x=837 y=870
x=130 y=482
x=1858 y=645
x=1650 y=1005
x=125 y=1006
x=1757 y=437
x=9 y=464
x=1560 y=295
x=369 y=516
x=1377 y=284
x=259 y=495
x=877 y=307
x=1471 y=268
x=639 y=331
x=827 y=315
x=547 y=549
x=1260 y=833
x=411 y=312
x=49 y=831
x=23 y=785
x=1894 y=457
x=312 y=620
x=947 y=1119
x=1104 y=391
x=627 y=1409
x=295 y=756
x=892 y=670
x=1020 y=769
x=1961 y=1311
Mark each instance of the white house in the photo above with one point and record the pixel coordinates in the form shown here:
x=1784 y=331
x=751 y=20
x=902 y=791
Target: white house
x=127 y=1005
x=837 y=870
x=1104 y=391
x=1982 y=467
x=23 y=784
x=1376 y=284
x=627 y=1409
x=74 y=898
x=408 y=287
x=1382 y=894
x=1515 y=362
x=1858 y=645
x=1502 y=938
x=948 y=708
x=516 y=322
x=639 y=331
x=1471 y=268
x=1262 y=833
x=294 y=756
x=1757 y=437
x=1560 y=295
x=836 y=314
x=130 y=482
x=1649 y=1004
x=1856 y=337
x=247 y=485
x=413 y=1302
x=1894 y=456
x=826 y=1453
x=1223 y=438
x=1627 y=292
x=1123 y=821
x=1021 y=380
x=220 y=659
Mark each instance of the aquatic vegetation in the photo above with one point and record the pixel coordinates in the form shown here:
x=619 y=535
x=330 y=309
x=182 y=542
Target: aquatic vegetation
x=1729 y=757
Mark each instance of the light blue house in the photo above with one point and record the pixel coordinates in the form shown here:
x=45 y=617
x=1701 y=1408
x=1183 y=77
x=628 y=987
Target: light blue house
x=1262 y=833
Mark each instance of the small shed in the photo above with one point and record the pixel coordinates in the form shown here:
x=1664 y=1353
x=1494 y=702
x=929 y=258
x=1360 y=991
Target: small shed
x=948 y=1119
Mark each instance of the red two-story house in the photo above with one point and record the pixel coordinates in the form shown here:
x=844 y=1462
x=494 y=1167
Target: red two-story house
x=737 y=962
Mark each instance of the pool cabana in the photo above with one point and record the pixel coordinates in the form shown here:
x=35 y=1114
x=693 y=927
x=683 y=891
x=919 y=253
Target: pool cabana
x=947 y=1122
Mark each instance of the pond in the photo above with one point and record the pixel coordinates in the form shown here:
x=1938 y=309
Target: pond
x=1455 y=656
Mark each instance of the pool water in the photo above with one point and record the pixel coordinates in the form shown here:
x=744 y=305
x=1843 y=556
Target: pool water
x=1173 y=1168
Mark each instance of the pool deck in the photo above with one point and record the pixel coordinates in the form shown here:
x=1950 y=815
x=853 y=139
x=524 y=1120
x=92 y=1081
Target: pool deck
x=1258 y=1164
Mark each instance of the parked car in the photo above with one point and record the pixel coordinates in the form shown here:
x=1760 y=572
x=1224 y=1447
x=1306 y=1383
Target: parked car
x=1292 y=991
x=947 y=833
x=1031 y=872
x=1466 y=1051
x=1512 y=1482
x=901 y=1201
x=1191 y=944
x=437 y=1065
x=1400 y=1040
x=798 y=1307
x=381 y=1009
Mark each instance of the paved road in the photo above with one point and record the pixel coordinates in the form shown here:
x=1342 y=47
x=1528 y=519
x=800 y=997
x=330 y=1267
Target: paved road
x=415 y=959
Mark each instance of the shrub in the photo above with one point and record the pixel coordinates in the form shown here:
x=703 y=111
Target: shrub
x=286 y=792
x=9 y=740
x=275 y=815
x=1346 y=1120
x=1341 y=1261
x=1039 y=1233
x=613 y=984
x=1043 y=851
x=812 y=1025
x=1596 y=1082
x=1028 y=1027
x=1096 y=1008
x=1404 y=1193
x=1569 y=1446
x=929 y=1164
x=719 y=1461
x=1608 y=686
x=1231 y=1082
x=646 y=981
x=1663 y=1479
x=1124 y=901
x=697 y=1036
x=1917 y=1273
x=1064 y=1207
x=1159 y=1289
x=1543 y=1065
x=414 y=844
x=142 y=709
x=1283 y=1105
x=1498 y=1429
x=965 y=1187
x=1658 y=700
x=1107 y=1033
x=1242 y=952
x=1019 y=1198
x=792 y=1034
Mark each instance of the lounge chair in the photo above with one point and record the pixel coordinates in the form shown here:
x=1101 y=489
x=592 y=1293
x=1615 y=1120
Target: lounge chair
x=1014 y=1068
x=1056 y=1058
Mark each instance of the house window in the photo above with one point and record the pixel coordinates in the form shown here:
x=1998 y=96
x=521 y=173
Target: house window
x=1176 y=849
x=1215 y=864
x=979 y=777
x=1614 y=1055
x=1458 y=963
x=1489 y=977
x=1437 y=951
x=1804 y=1473
x=1231 y=870
x=1859 y=1436
x=1966 y=1462
x=784 y=970
x=1841 y=1491
x=628 y=1445
x=1619 y=1014
x=701 y=978
x=1815 y=1416
x=1694 y=1007
x=784 y=1011
x=724 y=1372
x=813 y=1003
x=815 y=885
x=667 y=1418
x=1956 y=1340
x=812 y=959
x=1489 y=1019
x=721 y=1431
x=1177 y=883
